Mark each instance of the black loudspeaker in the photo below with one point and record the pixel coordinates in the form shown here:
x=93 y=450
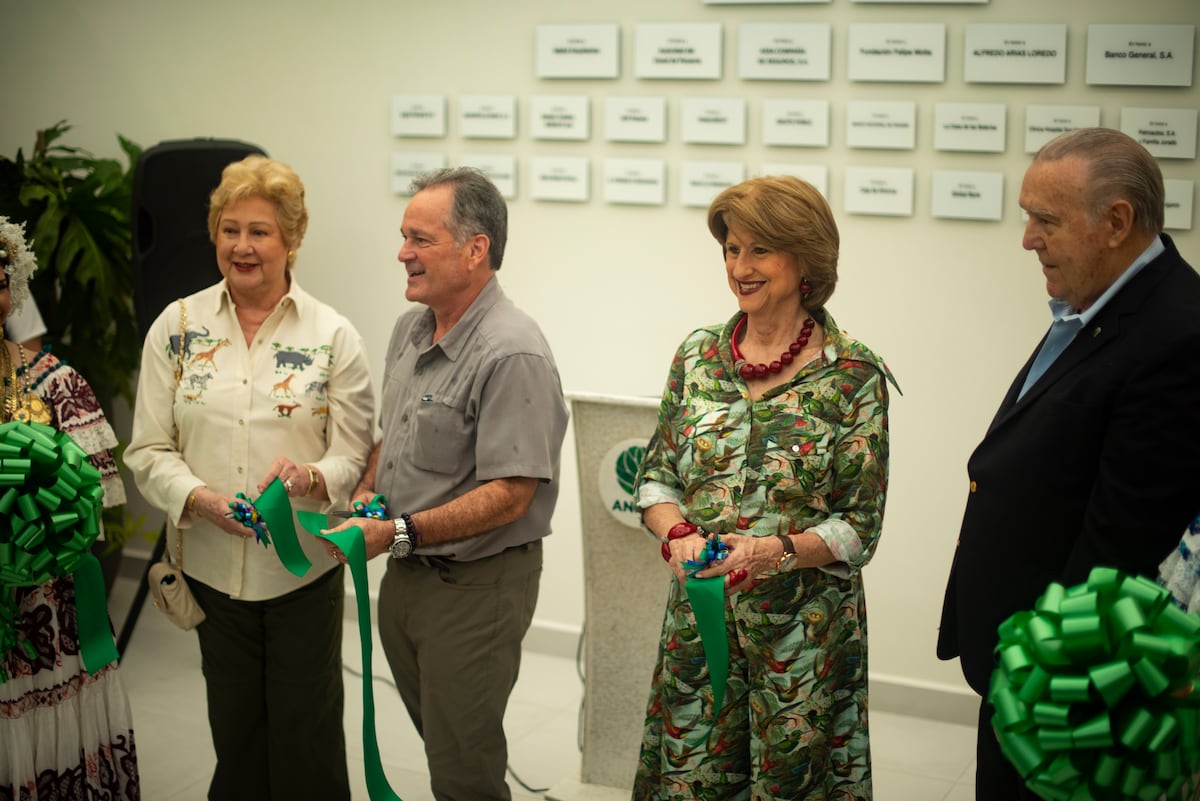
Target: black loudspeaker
x=172 y=254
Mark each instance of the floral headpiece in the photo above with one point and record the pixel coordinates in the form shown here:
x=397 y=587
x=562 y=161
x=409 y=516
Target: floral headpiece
x=18 y=260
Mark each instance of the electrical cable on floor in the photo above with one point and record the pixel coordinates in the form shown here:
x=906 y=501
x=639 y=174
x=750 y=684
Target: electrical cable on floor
x=583 y=682
x=392 y=684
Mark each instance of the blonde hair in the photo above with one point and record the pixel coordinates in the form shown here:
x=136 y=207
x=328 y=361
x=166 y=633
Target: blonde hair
x=788 y=214
x=258 y=176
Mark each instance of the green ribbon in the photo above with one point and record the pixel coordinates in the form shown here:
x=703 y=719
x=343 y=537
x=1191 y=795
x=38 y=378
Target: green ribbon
x=276 y=511
x=707 y=597
x=350 y=541
x=50 y=500
x=1094 y=693
x=96 y=646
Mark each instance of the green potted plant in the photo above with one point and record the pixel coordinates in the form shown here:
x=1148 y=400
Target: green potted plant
x=76 y=209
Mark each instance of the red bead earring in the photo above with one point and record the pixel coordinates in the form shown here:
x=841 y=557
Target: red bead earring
x=805 y=288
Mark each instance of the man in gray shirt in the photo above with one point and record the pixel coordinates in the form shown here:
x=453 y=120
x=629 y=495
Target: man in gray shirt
x=472 y=429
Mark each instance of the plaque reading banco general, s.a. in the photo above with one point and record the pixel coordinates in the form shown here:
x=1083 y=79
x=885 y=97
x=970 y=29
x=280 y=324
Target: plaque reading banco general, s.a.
x=1140 y=55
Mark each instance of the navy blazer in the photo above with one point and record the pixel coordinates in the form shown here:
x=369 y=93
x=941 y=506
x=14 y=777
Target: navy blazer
x=1098 y=464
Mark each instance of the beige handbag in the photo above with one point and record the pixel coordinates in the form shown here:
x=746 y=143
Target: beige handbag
x=168 y=587
x=170 y=591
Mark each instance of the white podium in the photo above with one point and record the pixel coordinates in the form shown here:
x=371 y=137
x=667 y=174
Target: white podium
x=625 y=594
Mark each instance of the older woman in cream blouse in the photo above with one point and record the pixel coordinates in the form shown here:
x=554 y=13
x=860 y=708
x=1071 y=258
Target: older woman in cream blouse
x=273 y=384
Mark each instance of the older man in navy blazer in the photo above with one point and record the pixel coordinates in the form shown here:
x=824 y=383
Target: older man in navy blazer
x=1094 y=455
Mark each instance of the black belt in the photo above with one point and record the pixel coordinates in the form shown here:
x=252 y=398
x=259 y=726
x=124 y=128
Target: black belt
x=446 y=562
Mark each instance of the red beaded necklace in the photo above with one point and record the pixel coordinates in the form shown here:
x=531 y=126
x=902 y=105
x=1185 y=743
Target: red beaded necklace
x=747 y=370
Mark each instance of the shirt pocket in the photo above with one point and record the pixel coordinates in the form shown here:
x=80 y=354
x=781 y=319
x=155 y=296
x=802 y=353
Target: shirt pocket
x=443 y=438
x=708 y=435
x=803 y=464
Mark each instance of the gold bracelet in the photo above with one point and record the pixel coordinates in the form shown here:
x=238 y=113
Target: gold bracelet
x=312 y=479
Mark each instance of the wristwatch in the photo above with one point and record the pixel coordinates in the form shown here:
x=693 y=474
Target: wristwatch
x=402 y=543
x=789 y=553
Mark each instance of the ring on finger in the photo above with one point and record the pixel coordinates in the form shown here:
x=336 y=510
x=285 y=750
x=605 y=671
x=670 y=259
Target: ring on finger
x=288 y=485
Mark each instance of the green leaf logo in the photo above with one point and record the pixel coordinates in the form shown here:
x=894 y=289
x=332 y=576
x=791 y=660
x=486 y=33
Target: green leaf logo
x=627 y=467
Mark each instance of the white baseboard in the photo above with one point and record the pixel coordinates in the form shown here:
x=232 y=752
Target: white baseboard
x=893 y=694
x=944 y=703
x=554 y=639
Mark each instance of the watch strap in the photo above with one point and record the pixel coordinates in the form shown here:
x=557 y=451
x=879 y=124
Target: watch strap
x=402 y=543
x=411 y=528
x=789 y=552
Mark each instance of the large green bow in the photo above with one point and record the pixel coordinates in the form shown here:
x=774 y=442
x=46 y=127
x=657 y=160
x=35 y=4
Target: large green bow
x=1094 y=694
x=50 y=499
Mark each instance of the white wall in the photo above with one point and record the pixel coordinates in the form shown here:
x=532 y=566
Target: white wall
x=954 y=307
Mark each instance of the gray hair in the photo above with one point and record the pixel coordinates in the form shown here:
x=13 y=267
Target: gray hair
x=1118 y=168
x=478 y=207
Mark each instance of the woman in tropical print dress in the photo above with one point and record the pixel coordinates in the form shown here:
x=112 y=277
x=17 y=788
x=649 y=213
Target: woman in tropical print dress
x=772 y=434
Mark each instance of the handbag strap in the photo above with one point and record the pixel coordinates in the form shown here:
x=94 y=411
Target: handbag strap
x=178 y=380
x=182 y=341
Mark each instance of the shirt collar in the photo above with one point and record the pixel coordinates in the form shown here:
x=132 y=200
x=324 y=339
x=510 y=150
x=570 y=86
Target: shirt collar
x=1061 y=310
x=837 y=345
x=295 y=297
x=456 y=338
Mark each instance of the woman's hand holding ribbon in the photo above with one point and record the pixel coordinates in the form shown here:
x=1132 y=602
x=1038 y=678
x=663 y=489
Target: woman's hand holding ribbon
x=214 y=507
x=679 y=551
x=298 y=480
x=746 y=558
x=244 y=511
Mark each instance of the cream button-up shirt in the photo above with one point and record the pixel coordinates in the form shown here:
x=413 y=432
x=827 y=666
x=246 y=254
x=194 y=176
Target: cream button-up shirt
x=301 y=389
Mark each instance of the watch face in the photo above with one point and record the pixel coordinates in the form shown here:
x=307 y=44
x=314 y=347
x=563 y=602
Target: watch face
x=401 y=547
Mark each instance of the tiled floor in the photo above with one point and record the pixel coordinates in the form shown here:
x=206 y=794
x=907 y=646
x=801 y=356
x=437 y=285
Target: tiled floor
x=915 y=759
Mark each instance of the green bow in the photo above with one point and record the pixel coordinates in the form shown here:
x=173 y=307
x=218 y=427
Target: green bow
x=50 y=500
x=1094 y=694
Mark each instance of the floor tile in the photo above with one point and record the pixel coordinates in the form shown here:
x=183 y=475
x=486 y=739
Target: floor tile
x=914 y=759
x=921 y=747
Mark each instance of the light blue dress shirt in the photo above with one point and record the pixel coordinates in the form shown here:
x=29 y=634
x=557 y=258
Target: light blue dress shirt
x=1067 y=323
